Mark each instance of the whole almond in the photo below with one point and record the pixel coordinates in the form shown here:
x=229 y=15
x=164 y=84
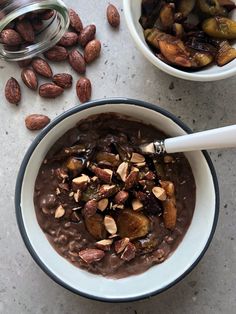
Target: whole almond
x=56 y=53
x=92 y=51
x=29 y=78
x=24 y=63
x=91 y=255
x=84 y=89
x=41 y=67
x=69 y=39
x=46 y=14
x=36 y=121
x=50 y=90
x=87 y=34
x=77 y=61
x=75 y=21
x=63 y=80
x=113 y=16
x=37 y=24
x=10 y=37
x=25 y=29
x=12 y=91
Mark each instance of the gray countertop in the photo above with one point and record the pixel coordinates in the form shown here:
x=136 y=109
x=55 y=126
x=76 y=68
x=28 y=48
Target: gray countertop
x=120 y=71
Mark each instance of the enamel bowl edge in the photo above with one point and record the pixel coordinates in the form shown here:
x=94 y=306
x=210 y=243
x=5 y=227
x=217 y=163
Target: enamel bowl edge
x=158 y=278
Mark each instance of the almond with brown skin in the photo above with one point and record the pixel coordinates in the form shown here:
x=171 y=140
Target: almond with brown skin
x=50 y=90
x=92 y=51
x=56 y=54
x=29 y=78
x=87 y=34
x=84 y=89
x=113 y=16
x=12 y=91
x=75 y=21
x=37 y=24
x=63 y=80
x=129 y=252
x=121 y=197
x=90 y=208
x=36 y=122
x=120 y=245
x=10 y=37
x=25 y=29
x=104 y=175
x=46 y=14
x=69 y=39
x=91 y=255
x=24 y=63
x=41 y=67
x=77 y=61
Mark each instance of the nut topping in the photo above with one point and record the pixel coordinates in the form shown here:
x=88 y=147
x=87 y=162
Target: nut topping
x=137 y=205
x=121 y=197
x=91 y=255
x=90 y=208
x=129 y=252
x=122 y=171
x=103 y=174
x=160 y=193
x=168 y=187
x=81 y=180
x=104 y=245
x=60 y=211
x=110 y=224
x=137 y=158
x=120 y=245
x=102 y=204
x=77 y=196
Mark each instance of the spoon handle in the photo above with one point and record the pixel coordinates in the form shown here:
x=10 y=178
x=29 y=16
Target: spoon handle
x=217 y=138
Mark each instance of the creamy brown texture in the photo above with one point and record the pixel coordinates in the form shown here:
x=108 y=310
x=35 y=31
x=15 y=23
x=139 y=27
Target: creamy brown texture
x=69 y=235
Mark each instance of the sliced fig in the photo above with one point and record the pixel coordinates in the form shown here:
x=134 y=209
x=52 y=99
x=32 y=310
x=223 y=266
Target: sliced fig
x=132 y=225
x=186 y=7
x=95 y=226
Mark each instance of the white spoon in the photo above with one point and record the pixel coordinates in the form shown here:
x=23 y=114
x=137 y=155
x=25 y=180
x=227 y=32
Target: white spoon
x=212 y=139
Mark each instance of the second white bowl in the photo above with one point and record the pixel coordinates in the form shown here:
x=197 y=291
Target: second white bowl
x=132 y=11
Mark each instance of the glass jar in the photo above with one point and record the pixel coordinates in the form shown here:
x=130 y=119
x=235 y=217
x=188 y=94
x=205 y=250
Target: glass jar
x=51 y=32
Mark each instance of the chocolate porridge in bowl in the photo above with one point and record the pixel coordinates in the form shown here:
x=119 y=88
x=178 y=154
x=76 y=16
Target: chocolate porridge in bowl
x=105 y=207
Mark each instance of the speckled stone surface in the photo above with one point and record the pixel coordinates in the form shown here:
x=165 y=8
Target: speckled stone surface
x=121 y=71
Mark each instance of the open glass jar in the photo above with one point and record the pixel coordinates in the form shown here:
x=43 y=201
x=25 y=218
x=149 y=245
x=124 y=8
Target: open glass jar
x=49 y=19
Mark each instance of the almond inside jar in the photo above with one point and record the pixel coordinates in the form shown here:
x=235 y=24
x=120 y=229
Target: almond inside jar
x=107 y=208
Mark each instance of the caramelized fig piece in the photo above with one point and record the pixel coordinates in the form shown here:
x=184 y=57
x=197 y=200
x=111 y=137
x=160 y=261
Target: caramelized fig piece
x=146 y=245
x=122 y=151
x=186 y=7
x=174 y=50
x=107 y=159
x=178 y=30
x=197 y=44
x=75 y=164
x=150 y=12
x=95 y=226
x=167 y=16
x=132 y=225
x=211 y=7
x=170 y=213
x=202 y=59
x=225 y=54
x=220 y=27
x=153 y=36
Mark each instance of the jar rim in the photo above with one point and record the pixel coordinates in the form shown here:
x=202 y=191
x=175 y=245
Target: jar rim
x=33 y=49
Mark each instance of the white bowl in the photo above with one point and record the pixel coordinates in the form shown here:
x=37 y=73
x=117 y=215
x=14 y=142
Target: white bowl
x=132 y=11
x=157 y=278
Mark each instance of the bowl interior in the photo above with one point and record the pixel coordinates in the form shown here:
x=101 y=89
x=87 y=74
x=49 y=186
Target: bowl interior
x=157 y=277
x=132 y=10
